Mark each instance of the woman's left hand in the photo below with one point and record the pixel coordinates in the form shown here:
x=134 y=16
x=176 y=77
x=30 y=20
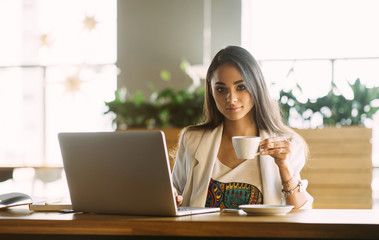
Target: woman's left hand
x=276 y=147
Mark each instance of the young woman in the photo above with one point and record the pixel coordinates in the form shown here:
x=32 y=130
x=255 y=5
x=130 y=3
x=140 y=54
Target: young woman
x=207 y=171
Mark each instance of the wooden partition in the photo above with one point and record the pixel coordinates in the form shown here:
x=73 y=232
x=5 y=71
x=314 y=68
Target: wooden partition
x=339 y=170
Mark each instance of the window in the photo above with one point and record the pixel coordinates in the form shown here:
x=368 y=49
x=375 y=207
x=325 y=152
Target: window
x=309 y=35
x=312 y=43
x=57 y=67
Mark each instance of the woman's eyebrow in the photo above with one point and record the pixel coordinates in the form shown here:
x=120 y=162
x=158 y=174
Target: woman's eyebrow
x=221 y=83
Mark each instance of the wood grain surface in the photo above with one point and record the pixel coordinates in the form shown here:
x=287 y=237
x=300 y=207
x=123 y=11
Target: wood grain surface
x=315 y=223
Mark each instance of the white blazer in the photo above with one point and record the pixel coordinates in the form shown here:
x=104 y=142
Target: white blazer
x=197 y=154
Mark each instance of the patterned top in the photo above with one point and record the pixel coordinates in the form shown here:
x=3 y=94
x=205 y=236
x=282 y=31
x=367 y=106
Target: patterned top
x=231 y=187
x=231 y=195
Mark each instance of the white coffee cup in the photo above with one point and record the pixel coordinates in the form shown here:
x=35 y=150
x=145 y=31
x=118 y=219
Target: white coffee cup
x=246 y=147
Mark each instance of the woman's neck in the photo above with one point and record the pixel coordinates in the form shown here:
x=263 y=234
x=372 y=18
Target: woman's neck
x=243 y=127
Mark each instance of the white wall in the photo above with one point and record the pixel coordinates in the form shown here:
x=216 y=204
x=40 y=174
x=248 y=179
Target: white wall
x=226 y=24
x=157 y=34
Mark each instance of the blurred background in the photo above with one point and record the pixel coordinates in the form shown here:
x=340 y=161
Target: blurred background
x=102 y=65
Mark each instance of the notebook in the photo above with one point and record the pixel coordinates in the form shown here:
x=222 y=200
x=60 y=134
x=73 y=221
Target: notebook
x=125 y=172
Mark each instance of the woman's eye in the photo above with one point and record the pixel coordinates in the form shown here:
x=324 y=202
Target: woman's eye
x=220 y=89
x=241 y=87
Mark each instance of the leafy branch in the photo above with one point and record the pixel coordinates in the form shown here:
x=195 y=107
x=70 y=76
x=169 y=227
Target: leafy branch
x=335 y=109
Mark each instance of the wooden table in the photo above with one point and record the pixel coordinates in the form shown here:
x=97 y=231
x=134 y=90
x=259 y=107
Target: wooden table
x=19 y=223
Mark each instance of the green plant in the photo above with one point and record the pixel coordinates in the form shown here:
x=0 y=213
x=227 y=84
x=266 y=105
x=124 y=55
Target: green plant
x=166 y=108
x=180 y=108
x=131 y=110
x=335 y=109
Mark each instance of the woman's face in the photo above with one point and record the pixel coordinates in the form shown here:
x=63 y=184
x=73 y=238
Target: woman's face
x=228 y=89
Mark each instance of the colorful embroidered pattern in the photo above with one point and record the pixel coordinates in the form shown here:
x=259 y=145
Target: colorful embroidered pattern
x=231 y=195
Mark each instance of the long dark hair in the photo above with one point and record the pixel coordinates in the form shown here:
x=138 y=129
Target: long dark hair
x=266 y=111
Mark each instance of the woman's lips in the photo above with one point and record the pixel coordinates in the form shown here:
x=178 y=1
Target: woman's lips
x=233 y=109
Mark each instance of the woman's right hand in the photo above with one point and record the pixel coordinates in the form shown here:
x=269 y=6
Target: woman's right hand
x=178 y=198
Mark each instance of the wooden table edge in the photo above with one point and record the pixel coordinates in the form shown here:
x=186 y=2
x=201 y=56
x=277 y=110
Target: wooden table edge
x=189 y=228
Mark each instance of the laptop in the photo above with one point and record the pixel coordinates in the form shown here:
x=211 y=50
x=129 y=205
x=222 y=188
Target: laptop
x=125 y=172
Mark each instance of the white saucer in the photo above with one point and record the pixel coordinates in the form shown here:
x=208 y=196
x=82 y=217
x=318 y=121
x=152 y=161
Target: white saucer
x=262 y=209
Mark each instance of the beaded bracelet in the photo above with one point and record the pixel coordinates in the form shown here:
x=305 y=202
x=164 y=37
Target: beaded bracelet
x=287 y=193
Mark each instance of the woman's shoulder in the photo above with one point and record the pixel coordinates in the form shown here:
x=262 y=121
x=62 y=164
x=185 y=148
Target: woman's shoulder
x=192 y=134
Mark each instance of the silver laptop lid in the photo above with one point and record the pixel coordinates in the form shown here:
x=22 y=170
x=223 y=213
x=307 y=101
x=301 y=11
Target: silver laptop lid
x=118 y=172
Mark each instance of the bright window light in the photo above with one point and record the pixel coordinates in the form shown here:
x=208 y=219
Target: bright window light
x=57 y=68
x=289 y=29
x=320 y=41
